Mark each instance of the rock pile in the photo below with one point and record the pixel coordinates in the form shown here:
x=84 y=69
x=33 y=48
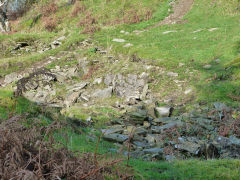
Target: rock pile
x=189 y=135
x=131 y=87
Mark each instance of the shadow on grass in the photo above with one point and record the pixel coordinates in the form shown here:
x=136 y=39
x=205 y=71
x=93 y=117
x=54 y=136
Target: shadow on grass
x=74 y=135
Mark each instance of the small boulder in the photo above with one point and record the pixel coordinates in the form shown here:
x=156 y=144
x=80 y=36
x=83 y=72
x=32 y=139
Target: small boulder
x=11 y=78
x=115 y=129
x=153 y=150
x=71 y=98
x=172 y=74
x=159 y=129
x=163 y=111
x=118 y=40
x=103 y=93
x=115 y=137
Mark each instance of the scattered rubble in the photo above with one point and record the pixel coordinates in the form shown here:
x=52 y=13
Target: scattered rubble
x=189 y=135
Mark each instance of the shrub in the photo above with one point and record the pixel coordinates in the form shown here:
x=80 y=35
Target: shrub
x=78 y=8
x=49 y=9
x=50 y=23
x=88 y=20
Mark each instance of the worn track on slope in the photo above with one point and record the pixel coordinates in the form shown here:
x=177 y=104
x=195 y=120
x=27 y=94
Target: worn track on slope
x=180 y=9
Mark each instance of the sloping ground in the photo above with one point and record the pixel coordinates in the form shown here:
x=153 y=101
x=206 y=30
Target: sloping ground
x=180 y=9
x=183 y=63
x=26 y=155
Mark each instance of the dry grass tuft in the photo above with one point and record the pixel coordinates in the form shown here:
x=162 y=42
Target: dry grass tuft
x=50 y=23
x=49 y=9
x=87 y=20
x=31 y=153
x=78 y=8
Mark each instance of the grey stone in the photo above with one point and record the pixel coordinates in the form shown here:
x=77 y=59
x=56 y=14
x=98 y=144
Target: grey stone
x=115 y=129
x=172 y=74
x=207 y=66
x=189 y=145
x=55 y=44
x=144 y=75
x=61 y=38
x=159 y=129
x=167 y=32
x=84 y=97
x=11 y=78
x=31 y=85
x=118 y=40
x=136 y=130
x=72 y=72
x=41 y=97
x=138 y=117
x=153 y=151
x=164 y=120
x=77 y=87
x=140 y=144
x=162 y=111
x=138 y=138
x=108 y=80
x=221 y=107
x=151 y=138
x=212 y=29
x=146 y=124
x=140 y=131
x=144 y=92
x=130 y=87
x=115 y=137
x=135 y=154
x=128 y=45
x=97 y=81
x=103 y=93
x=71 y=98
x=170 y=158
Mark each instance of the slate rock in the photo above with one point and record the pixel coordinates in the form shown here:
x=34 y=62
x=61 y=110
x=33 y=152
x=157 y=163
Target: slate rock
x=115 y=137
x=138 y=117
x=103 y=93
x=11 y=78
x=190 y=145
x=115 y=129
x=153 y=151
x=71 y=98
x=77 y=87
x=159 y=129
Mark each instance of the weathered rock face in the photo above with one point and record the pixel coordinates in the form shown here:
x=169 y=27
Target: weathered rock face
x=17 y=7
x=129 y=87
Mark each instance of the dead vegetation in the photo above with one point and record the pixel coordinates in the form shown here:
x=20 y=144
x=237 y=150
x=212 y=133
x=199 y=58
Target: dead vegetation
x=133 y=16
x=89 y=24
x=77 y=9
x=49 y=9
x=31 y=153
x=50 y=23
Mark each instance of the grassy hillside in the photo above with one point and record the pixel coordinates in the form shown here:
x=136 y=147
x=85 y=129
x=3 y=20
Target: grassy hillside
x=204 y=50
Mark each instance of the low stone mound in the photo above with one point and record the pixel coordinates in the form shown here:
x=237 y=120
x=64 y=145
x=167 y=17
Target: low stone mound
x=203 y=134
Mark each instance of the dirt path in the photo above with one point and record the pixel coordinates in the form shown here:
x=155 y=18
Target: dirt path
x=180 y=9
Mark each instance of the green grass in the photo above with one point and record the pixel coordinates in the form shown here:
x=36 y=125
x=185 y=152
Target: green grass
x=184 y=46
x=188 y=170
x=10 y=105
x=166 y=50
x=13 y=64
